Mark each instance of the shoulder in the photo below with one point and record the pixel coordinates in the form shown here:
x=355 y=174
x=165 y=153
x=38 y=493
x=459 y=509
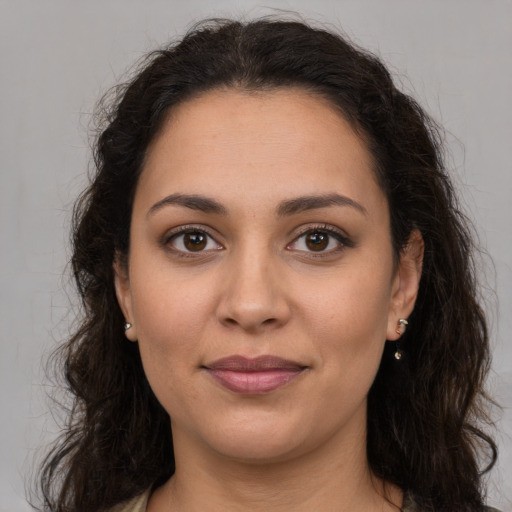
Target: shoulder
x=137 y=504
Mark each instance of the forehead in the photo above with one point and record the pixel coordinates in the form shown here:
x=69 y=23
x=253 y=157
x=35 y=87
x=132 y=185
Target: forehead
x=272 y=143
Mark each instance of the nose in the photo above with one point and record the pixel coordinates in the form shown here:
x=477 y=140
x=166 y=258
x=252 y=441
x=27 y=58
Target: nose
x=253 y=294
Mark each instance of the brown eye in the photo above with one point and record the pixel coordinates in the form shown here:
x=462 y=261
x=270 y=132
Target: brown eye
x=192 y=240
x=195 y=241
x=324 y=241
x=317 y=241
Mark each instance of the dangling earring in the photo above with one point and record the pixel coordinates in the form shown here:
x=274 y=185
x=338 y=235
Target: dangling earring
x=127 y=326
x=401 y=323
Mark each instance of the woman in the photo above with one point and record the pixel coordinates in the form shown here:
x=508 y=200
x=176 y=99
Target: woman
x=273 y=231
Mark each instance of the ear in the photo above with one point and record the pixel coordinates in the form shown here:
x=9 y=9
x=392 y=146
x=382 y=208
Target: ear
x=124 y=295
x=405 y=283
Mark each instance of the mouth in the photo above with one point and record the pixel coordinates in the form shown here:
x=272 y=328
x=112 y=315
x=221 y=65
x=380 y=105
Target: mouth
x=254 y=376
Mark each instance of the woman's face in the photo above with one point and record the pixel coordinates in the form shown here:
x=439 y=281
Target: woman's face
x=261 y=284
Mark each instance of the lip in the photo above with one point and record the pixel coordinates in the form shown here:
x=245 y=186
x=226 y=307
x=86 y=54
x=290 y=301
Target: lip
x=254 y=376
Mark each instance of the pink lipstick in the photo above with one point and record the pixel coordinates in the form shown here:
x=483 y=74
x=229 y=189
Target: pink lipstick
x=254 y=376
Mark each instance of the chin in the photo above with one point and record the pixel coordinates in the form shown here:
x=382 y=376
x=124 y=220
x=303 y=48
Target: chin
x=256 y=439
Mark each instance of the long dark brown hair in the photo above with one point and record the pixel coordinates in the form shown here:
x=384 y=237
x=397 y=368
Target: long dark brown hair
x=425 y=412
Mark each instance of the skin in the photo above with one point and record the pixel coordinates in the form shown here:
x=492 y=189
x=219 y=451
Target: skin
x=257 y=288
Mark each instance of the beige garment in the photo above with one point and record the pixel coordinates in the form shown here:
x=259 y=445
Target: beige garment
x=137 y=504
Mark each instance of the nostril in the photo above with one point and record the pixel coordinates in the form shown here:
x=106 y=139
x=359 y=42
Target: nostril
x=249 y=325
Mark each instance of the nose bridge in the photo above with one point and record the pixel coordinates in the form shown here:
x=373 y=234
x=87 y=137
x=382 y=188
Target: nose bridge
x=252 y=296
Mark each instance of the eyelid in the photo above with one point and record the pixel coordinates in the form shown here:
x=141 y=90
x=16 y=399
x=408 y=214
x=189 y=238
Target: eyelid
x=340 y=235
x=329 y=228
x=189 y=228
x=337 y=233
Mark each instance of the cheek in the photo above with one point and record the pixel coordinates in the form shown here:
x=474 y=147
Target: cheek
x=169 y=306
x=348 y=322
x=168 y=355
x=354 y=303
x=170 y=318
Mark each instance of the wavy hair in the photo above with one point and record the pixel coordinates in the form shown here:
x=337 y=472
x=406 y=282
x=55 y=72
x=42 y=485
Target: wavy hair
x=425 y=412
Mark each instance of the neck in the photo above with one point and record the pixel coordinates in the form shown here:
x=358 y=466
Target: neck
x=312 y=481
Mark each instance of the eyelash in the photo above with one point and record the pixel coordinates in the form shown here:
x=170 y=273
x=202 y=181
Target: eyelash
x=184 y=230
x=343 y=240
x=325 y=229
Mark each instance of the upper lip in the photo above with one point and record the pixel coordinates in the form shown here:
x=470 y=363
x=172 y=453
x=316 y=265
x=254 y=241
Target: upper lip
x=257 y=364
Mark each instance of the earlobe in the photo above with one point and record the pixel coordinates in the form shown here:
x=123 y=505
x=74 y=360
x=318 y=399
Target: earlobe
x=406 y=284
x=124 y=297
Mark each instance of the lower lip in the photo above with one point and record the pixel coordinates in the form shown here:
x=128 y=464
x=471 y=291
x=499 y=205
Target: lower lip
x=254 y=383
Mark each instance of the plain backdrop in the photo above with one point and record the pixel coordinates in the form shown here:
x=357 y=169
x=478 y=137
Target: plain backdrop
x=57 y=57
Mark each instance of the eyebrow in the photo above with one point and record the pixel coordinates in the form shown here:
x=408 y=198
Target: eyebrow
x=286 y=208
x=314 y=202
x=194 y=202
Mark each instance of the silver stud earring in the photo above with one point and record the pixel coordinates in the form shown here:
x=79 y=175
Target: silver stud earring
x=127 y=326
x=402 y=322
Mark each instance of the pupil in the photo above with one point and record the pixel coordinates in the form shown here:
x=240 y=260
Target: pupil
x=317 y=241
x=195 y=241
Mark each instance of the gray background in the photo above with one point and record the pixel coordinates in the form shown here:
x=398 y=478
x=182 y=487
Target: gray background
x=56 y=57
